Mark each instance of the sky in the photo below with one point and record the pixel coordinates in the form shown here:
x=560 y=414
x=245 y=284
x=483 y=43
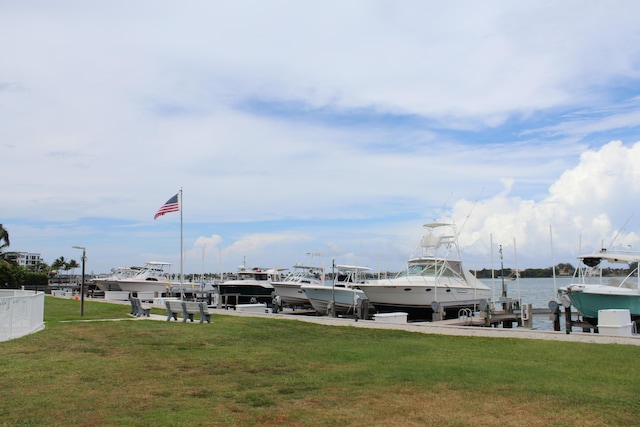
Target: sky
x=319 y=130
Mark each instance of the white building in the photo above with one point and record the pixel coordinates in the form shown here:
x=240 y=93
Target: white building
x=25 y=259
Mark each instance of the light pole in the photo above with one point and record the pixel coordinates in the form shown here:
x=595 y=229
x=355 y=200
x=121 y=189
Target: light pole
x=84 y=260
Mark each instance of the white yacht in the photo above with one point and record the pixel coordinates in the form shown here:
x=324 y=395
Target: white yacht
x=250 y=285
x=110 y=282
x=434 y=277
x=154 y=277
x=289 y=289
x=342 y=295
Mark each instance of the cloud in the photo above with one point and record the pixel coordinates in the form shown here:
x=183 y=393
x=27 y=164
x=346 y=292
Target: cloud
x=254 y=249
x=588 y=207
x=332 y=125
x=206 y=242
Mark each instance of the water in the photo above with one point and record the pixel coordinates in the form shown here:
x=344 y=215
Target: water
x=535 y=291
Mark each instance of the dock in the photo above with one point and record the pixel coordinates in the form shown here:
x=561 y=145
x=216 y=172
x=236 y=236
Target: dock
x=456 y=327
x=449 y=327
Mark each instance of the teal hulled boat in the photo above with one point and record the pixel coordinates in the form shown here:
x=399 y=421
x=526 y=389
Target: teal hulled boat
x=592 y=292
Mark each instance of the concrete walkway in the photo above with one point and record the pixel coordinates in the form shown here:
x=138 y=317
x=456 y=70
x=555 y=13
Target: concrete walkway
x=423 y=327
x=435 y=328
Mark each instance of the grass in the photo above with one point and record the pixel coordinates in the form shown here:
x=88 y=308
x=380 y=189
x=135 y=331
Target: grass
x=260 y=371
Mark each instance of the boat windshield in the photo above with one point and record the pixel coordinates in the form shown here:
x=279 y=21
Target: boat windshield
x=310 y=275
x=253 y=276
x=344 y=278
x=432 y=269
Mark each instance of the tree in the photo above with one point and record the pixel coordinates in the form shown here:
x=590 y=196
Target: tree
x=40 y=267
x=4 y=243
x=4 y=238
x=72 y=265
x=11 y=275
x=58 y=264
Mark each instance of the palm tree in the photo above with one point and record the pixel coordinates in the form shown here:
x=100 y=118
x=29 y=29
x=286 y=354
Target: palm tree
x=4 y=238
x=4 y=243
x=59 y=264
x=72 y=265
x=41 y=267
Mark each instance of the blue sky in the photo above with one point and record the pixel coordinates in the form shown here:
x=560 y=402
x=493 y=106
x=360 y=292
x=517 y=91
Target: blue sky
x=332 y=127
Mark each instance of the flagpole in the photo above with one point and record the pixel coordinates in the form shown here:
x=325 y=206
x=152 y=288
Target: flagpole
x=181 y=245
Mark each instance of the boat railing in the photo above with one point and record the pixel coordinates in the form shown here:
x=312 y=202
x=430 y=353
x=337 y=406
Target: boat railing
x=588 y=275
x=628 y=281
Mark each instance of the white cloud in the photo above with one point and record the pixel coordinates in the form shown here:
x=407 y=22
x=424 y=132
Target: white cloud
x=591 y=205
x=378 y=112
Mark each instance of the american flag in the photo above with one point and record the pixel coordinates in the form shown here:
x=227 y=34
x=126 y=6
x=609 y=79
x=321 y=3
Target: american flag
x=170 y=206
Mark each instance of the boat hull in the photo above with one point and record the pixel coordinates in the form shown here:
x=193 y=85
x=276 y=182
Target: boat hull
x=346 y=299
x=417 y=300
x=588 y=300
x=107 y=285
x=133 y=286
x=244 y=293
x=424 y=312
x=291 y=294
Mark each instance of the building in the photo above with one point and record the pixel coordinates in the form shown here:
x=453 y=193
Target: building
x=25 y=259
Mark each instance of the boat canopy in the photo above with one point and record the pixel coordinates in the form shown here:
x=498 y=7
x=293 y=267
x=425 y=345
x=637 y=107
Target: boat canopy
x=593 y=260
x=438 y=225
x=351 y=267
x=309 y=267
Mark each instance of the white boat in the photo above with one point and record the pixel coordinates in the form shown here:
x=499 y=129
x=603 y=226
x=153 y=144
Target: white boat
x=110 y=281
x=289 y=289
x=342 y=295
x=153 y=277
x=591 y=291
x=250 y=286
x=434 y=277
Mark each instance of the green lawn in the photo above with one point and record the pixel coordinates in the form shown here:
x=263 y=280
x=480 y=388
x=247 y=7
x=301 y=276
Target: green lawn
x=261 y=371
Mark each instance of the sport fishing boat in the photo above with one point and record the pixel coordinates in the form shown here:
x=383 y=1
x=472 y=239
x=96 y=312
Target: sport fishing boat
x=110 y=282
x=342 y=295
x=250 y=286
x=592 y=291
x=434 y=278
x=153 y=277
x=289 y=289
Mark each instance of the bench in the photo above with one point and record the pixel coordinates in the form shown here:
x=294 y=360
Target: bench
x=138 y=309
x=188 y=310
x=173 y=308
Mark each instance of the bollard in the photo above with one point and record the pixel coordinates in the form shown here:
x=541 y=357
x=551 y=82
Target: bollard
x=527 y=317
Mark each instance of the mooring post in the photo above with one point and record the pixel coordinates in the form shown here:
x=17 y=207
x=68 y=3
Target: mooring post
x=555 y=313
x=528 y=316
x=556 y=319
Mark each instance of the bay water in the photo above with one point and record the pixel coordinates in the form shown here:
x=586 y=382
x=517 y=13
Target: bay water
x=535 y=291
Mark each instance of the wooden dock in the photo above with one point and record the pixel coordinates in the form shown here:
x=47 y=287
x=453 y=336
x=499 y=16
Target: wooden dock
x=494 y=320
